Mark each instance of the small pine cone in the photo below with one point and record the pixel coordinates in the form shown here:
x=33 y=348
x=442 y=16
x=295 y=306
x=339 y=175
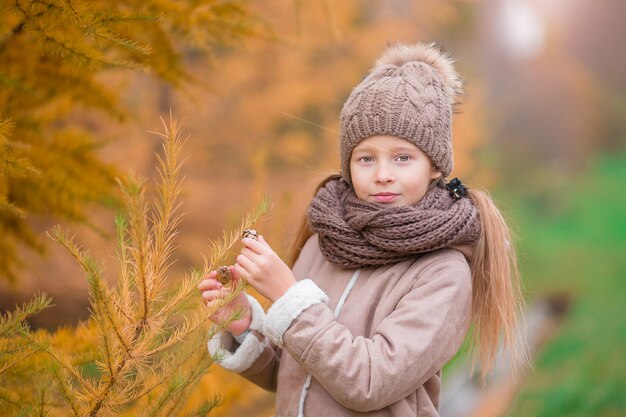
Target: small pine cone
x=251 y=233
x=223 y=275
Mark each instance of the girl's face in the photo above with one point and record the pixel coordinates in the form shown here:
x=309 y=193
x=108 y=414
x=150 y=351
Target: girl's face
x=390 y=171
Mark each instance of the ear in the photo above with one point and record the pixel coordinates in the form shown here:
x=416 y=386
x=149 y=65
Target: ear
x=434 y=174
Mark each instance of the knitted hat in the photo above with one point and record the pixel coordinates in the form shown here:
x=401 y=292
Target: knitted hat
x=409 y=94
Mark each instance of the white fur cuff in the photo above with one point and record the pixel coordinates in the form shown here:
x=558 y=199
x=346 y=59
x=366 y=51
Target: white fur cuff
x=258 y=314
x=298 y=298
x=249 y=350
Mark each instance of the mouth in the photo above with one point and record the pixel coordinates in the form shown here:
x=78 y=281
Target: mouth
x=385 y=197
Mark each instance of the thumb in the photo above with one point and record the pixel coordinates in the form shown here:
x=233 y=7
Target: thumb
x=234 y=274
x=262 y=240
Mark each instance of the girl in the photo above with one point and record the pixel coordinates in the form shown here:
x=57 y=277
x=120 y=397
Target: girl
x=391 y=266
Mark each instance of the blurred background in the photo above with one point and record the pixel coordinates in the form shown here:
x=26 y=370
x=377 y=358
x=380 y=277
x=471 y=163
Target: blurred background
x=542 y=126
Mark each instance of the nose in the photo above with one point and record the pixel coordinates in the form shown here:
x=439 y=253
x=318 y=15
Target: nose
x=384 y=174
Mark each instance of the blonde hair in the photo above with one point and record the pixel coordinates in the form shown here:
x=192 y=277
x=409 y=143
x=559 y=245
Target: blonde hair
x=497 y=301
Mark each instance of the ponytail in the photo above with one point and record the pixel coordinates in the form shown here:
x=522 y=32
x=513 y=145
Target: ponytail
x=497 y=302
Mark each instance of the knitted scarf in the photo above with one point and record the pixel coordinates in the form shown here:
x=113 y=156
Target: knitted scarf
x=358 y=234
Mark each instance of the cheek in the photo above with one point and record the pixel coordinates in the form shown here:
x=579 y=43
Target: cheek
x=419 y=183
x=358 y=181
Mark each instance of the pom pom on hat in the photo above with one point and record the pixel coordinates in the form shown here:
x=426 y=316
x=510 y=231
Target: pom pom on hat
x=401 y=54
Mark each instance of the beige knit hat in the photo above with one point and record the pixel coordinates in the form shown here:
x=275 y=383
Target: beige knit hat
x=409 y=93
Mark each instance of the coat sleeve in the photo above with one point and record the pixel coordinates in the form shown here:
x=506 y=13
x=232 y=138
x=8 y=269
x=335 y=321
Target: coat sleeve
x=406 y=348
x=256 y=359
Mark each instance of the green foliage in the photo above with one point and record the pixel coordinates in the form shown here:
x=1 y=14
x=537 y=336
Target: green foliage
x=53 y=53
x=573 y=238
x=143 y=348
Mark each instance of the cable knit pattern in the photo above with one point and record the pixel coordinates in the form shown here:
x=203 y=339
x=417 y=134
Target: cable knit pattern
x=408 y=94
x=357 y=234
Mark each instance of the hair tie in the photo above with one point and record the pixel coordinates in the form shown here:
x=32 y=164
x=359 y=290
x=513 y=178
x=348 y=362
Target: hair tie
x=456 y=188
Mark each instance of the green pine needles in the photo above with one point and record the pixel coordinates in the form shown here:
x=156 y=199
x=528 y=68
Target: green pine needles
x=143 y=348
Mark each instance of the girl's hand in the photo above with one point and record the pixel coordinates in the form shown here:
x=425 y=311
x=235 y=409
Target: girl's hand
x=212 y=293
x=263 y=269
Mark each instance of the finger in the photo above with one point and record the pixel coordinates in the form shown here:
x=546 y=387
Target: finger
x=211 y=275
x=211 y=295
x=246 y=264
x=209 y=284
x=255 y=245
x=216 y=308
x=241 y=273
x=235 y=275
x=262 y=240
x=253 y=256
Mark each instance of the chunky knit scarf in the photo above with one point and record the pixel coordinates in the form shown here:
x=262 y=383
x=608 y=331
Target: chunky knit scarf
x=358 y=234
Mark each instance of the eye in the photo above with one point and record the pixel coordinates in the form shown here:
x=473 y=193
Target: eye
x=403 y=158
x=366 y=159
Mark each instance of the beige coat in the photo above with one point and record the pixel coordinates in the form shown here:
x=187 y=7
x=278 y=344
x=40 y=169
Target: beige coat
x=370 y=342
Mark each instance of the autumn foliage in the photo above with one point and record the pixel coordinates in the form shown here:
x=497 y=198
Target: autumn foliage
x=143 y=348
x=53 y=55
